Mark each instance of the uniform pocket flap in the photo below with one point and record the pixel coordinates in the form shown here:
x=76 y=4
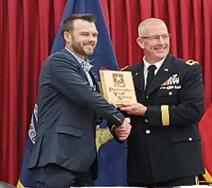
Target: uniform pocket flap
x=69 y=130
x=188 y=134
x=167 y=92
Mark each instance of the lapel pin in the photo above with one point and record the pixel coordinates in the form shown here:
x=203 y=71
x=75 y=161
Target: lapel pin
x=166 y=70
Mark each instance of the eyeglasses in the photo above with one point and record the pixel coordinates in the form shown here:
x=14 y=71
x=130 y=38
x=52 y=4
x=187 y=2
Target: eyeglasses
x=155 y=38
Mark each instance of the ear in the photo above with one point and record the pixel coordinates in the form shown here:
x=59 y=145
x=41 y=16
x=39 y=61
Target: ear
x=67 y=36
x=140 y=42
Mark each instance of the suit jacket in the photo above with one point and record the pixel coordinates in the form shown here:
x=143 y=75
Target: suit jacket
x=165 y=143
x=68 y=108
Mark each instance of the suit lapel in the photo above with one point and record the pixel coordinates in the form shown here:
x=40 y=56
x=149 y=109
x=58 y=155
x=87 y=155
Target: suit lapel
x=75 y=61
x=162 y=75
x=95 y=84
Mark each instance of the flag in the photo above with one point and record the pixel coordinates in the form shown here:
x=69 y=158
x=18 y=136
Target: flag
x=26 y=177
x=111 y=155
x=103 y=55
x=206 y=132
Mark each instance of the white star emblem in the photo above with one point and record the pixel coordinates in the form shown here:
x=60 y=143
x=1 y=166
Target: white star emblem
x=118 y=78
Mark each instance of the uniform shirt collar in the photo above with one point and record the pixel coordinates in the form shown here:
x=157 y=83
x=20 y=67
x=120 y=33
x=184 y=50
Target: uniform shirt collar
x=157 y=64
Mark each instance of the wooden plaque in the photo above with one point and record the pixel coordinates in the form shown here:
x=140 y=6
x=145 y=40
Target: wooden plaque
x=117 y=87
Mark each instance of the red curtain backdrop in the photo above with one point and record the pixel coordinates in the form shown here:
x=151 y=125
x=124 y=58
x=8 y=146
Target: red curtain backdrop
x=27 y=31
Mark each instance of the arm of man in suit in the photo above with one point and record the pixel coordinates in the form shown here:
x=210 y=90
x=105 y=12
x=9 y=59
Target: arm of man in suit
x=69 y=78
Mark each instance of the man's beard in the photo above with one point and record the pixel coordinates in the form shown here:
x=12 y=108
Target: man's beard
x=78 y=49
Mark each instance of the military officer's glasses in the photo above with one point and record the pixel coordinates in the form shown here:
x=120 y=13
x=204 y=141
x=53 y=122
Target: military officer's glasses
x=156 y=38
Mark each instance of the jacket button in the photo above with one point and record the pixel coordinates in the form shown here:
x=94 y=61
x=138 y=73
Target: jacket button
x=190 y=139
x=147 y=131
x=146 y=120
x=147 y=96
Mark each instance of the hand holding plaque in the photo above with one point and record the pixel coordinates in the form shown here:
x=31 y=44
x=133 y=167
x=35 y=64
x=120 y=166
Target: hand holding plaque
x=118 y=87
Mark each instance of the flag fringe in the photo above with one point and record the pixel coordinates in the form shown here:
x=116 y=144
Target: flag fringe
x=207 y=177
x=19 y=184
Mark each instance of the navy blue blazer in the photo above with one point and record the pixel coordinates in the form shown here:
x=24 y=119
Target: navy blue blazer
x=67 y=115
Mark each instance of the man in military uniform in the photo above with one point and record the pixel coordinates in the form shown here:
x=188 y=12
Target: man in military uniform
x=164 y=144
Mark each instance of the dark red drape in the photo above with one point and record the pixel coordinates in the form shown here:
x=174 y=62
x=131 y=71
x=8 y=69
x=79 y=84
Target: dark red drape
x=27 y=31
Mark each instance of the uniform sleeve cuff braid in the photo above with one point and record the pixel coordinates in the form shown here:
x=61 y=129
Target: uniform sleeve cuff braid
x=165 y=115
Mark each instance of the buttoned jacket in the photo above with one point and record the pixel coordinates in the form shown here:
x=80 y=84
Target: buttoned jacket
x=68 y=111
x=165 y=143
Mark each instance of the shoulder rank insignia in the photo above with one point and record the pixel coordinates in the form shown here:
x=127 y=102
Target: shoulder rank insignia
x=191 y=62
x=124 y=68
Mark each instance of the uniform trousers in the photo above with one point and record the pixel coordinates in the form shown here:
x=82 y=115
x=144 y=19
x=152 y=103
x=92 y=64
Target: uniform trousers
x=184 y=181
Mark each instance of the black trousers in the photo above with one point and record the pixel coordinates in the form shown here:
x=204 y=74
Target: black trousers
x=55 y=176
x=184 y=181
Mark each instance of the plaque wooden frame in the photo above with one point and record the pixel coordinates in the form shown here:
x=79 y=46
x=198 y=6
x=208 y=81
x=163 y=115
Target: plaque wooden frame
x=117 y=87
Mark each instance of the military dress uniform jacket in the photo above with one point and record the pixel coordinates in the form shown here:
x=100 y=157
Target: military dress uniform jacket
x=68 y=110
x=165 y=143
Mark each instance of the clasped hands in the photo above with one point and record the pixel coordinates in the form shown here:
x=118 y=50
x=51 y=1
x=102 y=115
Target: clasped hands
x=123 y=131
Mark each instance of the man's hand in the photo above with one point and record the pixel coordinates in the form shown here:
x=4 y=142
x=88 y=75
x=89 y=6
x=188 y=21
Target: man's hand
x=123 y=131
x=134 y=109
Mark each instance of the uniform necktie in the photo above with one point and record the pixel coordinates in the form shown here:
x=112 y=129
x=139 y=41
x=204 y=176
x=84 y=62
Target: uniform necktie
x=150 y=75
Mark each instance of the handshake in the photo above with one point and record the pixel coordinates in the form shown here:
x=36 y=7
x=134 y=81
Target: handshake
x=123 y=131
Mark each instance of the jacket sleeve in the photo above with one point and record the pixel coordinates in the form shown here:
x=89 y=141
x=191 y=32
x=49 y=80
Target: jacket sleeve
x=69 y=79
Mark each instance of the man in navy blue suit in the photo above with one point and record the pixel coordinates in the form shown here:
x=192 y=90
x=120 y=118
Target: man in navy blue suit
x=70 y=107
